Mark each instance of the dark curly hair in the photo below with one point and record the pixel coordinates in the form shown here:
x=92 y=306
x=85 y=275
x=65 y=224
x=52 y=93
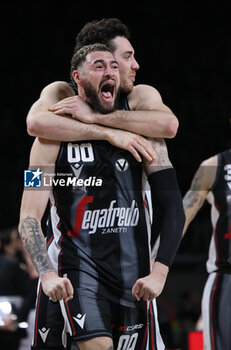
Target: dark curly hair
x=101 y=31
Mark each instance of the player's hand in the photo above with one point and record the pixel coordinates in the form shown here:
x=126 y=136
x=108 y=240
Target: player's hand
x=131 y=142
x=151 y=286
x=57 y=288
x=75 y=106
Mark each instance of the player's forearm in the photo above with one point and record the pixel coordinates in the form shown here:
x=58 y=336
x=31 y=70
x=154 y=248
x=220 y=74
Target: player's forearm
x=34 y=243
x=201 y=184
x=159 y=275
x=160 y=269
x=167 y=205
x=189 y=216
x=192 y=203
x=161 y=160
x=57 y=128
x=158 y=124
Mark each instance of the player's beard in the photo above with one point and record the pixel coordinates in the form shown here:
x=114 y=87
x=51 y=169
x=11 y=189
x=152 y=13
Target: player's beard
x=126 y=88
x=94 y=101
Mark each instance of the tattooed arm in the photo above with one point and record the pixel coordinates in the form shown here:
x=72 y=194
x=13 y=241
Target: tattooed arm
x=161 y=160
x=34 y=242
x=43 y=153
x=200 y=186
x=168 y=221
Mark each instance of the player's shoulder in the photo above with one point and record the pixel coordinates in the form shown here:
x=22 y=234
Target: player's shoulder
x=140 y=89
x=59 y=88
x=144 y=96
x=207 y=172
x=211 y=161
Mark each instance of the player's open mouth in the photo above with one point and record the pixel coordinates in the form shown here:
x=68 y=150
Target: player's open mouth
x=107 y=89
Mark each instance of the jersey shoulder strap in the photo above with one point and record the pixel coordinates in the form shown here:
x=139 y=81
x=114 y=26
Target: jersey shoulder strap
x=123 y=103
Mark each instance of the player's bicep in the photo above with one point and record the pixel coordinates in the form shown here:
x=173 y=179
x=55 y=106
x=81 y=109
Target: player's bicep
x=200 y=186
x=50 y=95
x=56 y=92
x=44 y=152
x=42 y=157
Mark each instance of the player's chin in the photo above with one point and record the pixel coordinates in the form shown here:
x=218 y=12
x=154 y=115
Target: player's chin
x=127 y=88
x=107 y=106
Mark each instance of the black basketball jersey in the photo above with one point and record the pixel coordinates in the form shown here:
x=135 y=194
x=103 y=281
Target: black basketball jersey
x=98 y=225
x=220 y=198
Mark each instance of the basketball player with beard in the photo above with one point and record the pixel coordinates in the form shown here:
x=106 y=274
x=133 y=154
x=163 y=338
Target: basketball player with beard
x=97 y=262
x=147 y=114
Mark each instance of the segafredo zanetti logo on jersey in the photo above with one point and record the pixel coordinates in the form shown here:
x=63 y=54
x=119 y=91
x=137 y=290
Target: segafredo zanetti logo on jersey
x=113 y=219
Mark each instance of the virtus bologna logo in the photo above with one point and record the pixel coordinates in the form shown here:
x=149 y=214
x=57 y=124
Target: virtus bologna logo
x=122 y=165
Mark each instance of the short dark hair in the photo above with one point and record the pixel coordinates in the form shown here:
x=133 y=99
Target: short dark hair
x=80 y=55
x=101 y=31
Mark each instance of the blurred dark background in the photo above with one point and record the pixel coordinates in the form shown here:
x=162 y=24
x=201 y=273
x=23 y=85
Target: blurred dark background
x=183 y=49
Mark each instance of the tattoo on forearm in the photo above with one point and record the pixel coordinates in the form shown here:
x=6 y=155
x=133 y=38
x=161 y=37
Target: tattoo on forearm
x=162 y=160
x=35 y=245
x=190 y=199
x=195 y=197
x=197 y=180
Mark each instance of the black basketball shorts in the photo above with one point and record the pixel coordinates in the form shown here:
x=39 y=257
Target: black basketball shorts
x=90 y=315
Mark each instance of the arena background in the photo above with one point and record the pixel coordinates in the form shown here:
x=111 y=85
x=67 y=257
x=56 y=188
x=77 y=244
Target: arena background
x=184 y=51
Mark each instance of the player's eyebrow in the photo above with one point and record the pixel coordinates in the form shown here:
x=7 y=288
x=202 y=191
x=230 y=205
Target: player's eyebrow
x=103 y=61
x=98 y=61
x=130 y=52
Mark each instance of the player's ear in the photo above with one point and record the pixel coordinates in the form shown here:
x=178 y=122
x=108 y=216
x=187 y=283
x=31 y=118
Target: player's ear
x=76 y=75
